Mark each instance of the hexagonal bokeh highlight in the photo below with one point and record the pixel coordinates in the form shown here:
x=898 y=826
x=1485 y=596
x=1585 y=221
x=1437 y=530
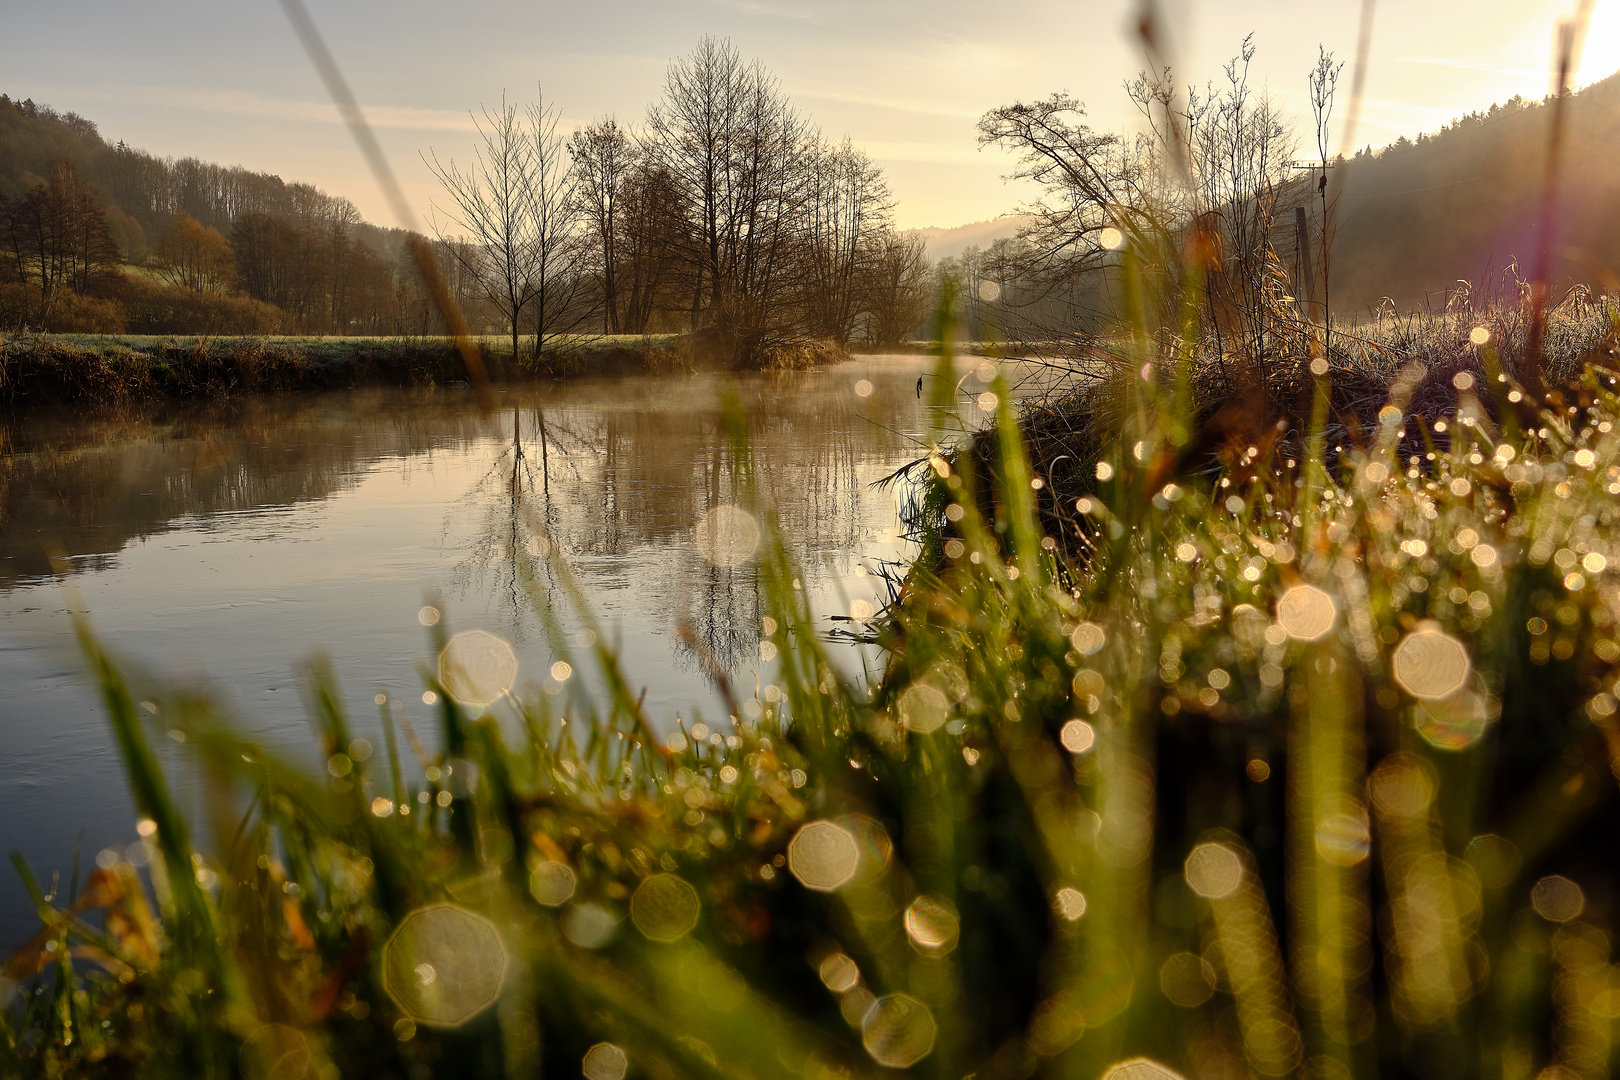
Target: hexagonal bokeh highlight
x=476 y=667
x=898 y=1031
x=604 y=1061
x=665 y=908
x=823 y=855
x=1306 y=612
x=443 y=965
x=1431 y=665
x=932 y=926
x=1214 y=871
x=1140 y=1069
x=552 y=883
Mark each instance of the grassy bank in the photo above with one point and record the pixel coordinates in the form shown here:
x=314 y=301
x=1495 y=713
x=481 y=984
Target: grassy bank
x=1304 y=769
x=92 y=369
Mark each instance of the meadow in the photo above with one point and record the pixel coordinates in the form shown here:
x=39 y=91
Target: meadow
x=1264 y=757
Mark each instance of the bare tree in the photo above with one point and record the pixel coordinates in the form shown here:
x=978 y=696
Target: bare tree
x=897 y=287
x=733 y=149
x=846 y=211
x=604 y=158
x=564 y=305
x=491 y=233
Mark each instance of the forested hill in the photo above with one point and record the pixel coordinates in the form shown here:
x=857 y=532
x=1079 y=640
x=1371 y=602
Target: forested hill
x=1463 y=204
x=99 y=237
x=141 y=193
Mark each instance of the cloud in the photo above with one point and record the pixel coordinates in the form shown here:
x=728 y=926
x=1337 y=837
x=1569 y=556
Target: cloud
x=897 y=104
x=1484 y=67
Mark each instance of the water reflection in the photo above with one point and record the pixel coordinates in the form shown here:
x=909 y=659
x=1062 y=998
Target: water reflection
x=233 y=540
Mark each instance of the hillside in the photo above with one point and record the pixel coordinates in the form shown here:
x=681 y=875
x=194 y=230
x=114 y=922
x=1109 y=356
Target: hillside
x=1463 y=204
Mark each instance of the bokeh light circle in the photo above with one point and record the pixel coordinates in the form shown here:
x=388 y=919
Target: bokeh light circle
x=1140 y=1069
x=898 y=1031
x=1070 y=903
x=1214 y=871
x=1306 y=612
x=1430 y=664
x=933 y=926
x=665 y=908
x=604 y=1061
x=726 y=536
x=1557 y=899
x=552 y=883
x=444 y=965
x=1077 y=736
x=477 y=667
x=838 y=973
x=1187 y=979
x=278 y=1052
x=923 y=708
x=1088 y=638
x=823 y=856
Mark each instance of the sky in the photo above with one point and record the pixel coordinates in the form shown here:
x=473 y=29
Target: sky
x=906 y=80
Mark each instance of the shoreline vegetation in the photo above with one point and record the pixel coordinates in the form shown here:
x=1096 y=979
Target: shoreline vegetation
x=95 y=369
x=1252 y=710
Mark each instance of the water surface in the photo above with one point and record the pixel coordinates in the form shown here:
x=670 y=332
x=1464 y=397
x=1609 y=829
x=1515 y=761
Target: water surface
x=228 y=543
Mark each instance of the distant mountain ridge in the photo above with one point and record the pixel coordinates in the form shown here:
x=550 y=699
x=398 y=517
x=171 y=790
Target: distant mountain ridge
x=944 y=243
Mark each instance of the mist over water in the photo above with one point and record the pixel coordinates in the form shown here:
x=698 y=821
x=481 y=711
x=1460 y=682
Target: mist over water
x=225 y=543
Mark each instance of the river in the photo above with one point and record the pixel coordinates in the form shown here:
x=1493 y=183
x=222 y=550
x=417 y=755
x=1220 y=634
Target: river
x=225 y=544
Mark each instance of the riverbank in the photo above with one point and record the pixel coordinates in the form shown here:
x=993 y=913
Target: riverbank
x=1063 y=822
x=42 y=369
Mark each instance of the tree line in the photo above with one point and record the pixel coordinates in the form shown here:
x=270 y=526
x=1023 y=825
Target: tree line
x=102 y=238
x=727 y=214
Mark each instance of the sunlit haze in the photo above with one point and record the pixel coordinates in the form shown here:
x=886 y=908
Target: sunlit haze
x=906 y=81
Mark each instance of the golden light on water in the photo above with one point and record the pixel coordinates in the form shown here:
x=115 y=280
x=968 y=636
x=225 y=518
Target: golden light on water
x=552 y=883
x=1306 y=612
x=923 y=708
x=443 y=965
x=1213 y=871
x=932 y=925
x=823 y=856
x=898 y=1031
x=664 y=908
x=1430 y=664
x=604 y=1061
x=477 y=667
x=726 y=536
